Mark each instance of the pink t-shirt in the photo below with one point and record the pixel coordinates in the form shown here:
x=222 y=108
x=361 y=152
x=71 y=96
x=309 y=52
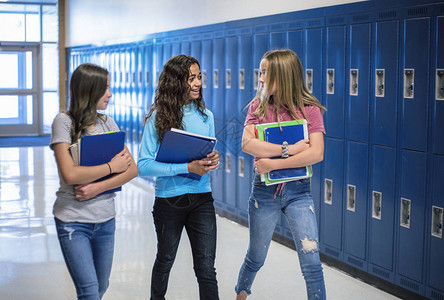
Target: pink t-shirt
x=315 y=122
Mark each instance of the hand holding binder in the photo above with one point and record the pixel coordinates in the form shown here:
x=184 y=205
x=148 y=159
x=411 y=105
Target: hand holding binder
x=180 y=146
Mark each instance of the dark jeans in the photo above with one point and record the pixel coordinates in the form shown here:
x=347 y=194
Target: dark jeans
x=196 y=213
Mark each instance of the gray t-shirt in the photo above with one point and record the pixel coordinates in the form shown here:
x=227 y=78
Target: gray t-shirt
x=66 y=207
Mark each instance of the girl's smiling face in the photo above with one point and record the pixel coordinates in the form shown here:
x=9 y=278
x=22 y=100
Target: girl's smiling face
x=195 y=81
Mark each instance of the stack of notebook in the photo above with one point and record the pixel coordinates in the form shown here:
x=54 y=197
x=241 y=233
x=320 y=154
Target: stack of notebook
x=277 y=133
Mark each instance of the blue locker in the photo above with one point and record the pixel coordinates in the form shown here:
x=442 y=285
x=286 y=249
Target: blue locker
x=295 y=42
x=167 y=52
x=385 y=83
x=158 y=63
x=335 y=85
x=332 y=206
x=312 y=63
x=175 y=48
x=196 y=49
x=277 y=39
x=147 y=77
x=382 y=212
x=358 y=94
x=415 y=83
x=436 y=263
x=206 y=68
x=231 y=127
x=185 y=46
x=412 y=220
x=218 y=99
x=438 y=122
x=355 y=222
x=245 y=95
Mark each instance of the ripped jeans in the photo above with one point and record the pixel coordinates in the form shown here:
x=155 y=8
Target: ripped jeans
x=295 y=201
x=88 y=249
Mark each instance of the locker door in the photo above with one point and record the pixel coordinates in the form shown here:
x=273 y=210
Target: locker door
x=175 y=47
x=335 y=87
x=185 y=47
x=277 y=40
x=385 y=83
x=295 y=43
x=358 y=92
x=206 y=68
x=231 y=126
x=355 y=229
x=148 y=77
x=196 y=49
x=412 y=220
x=332 y=208
x=245 y=94
x=382 y=214
x=167 y=52
x=159 y=63
x=415 y=83
x=218 y=57
x=436 y=266
x=438 y=94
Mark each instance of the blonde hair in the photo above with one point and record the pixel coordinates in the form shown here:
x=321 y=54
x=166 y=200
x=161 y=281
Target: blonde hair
x=285 y=75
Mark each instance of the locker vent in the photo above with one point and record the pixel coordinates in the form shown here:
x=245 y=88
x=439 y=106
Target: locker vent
x=332 y=252
x=314 y=23
x=387 y=14
x=417 y=11
x=355 y=262
x=336 y=20
x=437 y=296
x=381 y=273
x=409 y=284
x=361 y=18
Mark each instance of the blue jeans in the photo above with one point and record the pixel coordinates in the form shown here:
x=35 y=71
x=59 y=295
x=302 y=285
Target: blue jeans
x=88 y=249
x=295 y=201
x=196 y=213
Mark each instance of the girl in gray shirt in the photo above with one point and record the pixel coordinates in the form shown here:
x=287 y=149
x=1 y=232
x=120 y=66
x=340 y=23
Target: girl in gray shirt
x=84 y=216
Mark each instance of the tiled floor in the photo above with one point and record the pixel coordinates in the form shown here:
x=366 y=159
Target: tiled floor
x=32 y=267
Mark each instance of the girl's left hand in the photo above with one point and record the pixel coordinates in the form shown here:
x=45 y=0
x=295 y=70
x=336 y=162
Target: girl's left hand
x=263 y=165
x=87 y=191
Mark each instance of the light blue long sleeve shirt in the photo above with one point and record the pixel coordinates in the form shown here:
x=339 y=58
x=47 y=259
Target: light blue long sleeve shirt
x=168 y=183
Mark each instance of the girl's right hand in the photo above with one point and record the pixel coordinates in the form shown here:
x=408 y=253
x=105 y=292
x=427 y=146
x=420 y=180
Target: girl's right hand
x=298 y=147
x=203 y=166
x=121 y=162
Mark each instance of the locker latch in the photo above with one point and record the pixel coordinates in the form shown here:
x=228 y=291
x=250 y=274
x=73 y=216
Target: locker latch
x=376 y=205
x=256 y=79
x=328 y=191
x=351 y=197
x=309 y=80
x=437 y=218
x=330 y=81
x=440 y=84
x=228 y=163
x=242 y=79
x=354 y=79
x=216 y=78
x=204 y=79
x=409 y=79
x=405 y=212
x=241 y=162
x=380 y=83
x=228 y=78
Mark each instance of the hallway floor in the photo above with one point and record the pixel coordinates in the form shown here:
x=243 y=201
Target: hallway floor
x=32 y=266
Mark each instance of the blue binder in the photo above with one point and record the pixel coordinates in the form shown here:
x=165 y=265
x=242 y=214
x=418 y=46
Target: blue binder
x=180 y=146
x=291 y=134
x=100 y=149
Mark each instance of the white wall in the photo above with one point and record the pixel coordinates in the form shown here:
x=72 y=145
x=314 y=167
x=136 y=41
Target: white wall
x=111 y=21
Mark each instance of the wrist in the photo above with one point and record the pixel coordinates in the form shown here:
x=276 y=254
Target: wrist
x=109 y=168
x=284 y=150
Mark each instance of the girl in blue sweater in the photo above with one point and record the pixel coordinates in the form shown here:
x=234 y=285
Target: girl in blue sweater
x=181 y=202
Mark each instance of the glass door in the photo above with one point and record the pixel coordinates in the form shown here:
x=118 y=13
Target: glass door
x=20 y=106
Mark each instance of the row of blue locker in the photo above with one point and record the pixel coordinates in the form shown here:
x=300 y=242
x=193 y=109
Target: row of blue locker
x=377 y=193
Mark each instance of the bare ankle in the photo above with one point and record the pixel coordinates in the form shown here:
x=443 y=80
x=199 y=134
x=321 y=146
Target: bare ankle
x=242 y=296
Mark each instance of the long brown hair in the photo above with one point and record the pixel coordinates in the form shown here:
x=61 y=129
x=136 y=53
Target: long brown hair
x=88 y=84
x=172 y=94
x=285 y=73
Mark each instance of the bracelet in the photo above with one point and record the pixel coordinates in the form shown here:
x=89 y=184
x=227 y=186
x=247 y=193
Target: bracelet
x=110 y=171
x=284 y=150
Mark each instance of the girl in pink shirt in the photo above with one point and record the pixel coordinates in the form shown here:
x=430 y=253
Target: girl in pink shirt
x=283 y=96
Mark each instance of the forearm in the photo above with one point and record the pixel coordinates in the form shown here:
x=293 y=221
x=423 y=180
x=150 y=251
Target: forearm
x=150 y=167
x=85 y=175
x=119 y=179
x=307 y=157
x=261 y=149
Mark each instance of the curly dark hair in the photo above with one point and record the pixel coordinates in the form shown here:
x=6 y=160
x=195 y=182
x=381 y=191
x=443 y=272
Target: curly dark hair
x=172 y=94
